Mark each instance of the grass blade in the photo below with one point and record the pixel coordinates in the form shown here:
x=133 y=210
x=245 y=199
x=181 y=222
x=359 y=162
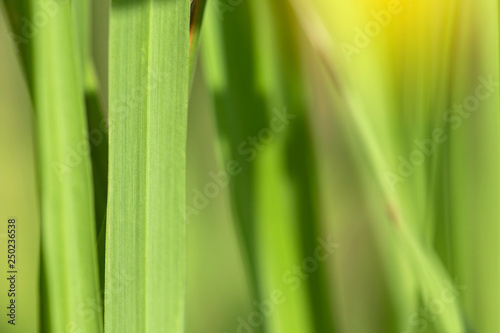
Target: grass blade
x=197 y=11
x=249 y=89
x=52 y=63
x=146 y=231
x=17 y=12
x=69 y=258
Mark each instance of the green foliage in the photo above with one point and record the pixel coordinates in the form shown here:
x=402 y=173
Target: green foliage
x=146 y=222
x=370 y=124
x=69 y=250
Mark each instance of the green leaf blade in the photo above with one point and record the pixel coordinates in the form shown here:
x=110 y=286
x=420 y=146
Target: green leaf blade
x=69 y=255
x=146 y=235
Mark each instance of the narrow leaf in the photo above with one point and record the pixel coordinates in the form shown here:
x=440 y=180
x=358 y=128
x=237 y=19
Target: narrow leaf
x=146 y=231
x=69 y=255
